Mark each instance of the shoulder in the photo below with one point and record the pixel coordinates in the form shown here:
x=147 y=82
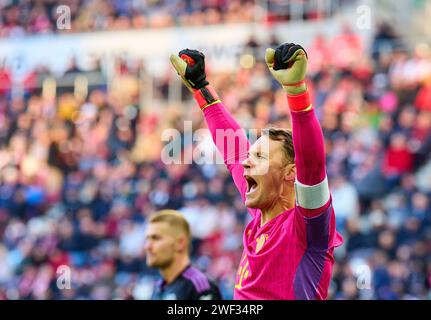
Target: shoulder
x=200 y=286
x=197 y=278
x=322 y=212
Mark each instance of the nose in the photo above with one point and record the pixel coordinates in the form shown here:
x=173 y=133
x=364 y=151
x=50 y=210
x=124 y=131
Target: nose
x=246 y=163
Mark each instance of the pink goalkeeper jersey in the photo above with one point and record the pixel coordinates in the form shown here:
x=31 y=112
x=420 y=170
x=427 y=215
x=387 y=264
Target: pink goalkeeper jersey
x=291 y=256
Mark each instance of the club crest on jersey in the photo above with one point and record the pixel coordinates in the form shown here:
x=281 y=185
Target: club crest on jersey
x=260 y=241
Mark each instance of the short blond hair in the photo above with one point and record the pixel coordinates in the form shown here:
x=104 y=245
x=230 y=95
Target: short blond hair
x=175 y=220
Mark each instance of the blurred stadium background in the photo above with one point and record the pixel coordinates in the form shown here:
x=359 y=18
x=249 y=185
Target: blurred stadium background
x=83 y=106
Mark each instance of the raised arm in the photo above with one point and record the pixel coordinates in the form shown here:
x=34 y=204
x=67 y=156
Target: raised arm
x=288 y=64
x=231 y=142
x=227 y=135
x=314 y=215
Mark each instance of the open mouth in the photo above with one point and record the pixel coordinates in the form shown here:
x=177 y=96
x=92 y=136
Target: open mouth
x=251 y=184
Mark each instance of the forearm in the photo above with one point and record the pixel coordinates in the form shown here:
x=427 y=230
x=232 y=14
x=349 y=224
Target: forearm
x=229 y=139
x=227 y=134
x=308 y=142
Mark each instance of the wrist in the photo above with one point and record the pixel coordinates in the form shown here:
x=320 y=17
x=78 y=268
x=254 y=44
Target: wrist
x=206 y=96
x=300 y=101
x=295 y=88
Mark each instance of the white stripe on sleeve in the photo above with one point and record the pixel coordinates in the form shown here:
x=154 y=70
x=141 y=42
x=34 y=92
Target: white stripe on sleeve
x=312 y=197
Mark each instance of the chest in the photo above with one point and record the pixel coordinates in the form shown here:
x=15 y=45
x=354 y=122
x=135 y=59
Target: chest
x=276 y=238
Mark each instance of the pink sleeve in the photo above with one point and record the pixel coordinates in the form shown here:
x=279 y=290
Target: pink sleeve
x=310 y=158
x=309 y=147
x=315 y=227
x=231 y=142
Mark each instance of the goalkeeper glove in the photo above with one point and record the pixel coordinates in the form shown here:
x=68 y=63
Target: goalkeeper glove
x=190 y=66
x=288 y=65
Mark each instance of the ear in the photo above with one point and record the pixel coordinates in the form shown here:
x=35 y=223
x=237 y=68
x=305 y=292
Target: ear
x=290 y=173
x=181 y=244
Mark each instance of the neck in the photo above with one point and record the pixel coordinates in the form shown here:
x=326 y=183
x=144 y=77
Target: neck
x=283 y=203
x=171 y=272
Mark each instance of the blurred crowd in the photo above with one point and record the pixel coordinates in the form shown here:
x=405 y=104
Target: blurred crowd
x=23 y=17
x=80 y=175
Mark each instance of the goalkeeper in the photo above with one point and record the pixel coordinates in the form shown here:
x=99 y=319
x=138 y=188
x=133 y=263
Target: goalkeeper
x=289 y=243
